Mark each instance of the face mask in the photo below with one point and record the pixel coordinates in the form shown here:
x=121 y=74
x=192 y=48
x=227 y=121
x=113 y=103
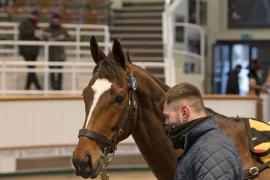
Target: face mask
x=177 y=134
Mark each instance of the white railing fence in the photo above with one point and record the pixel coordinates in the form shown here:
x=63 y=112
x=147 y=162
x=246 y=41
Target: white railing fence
x=184 y=44
x=78 y=32
x=77 y=72
x=76 y=69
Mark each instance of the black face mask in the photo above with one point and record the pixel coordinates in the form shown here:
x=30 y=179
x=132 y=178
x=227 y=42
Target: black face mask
x=178 y=133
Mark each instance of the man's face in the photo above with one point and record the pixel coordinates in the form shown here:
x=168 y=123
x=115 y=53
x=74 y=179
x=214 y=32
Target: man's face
x=172 y=114
x=35 y=18
x=55 y=21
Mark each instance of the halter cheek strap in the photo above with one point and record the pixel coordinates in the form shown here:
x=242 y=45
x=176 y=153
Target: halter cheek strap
x=130 y=113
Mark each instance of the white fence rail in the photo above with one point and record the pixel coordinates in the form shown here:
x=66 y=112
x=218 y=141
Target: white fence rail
x=75 y=69
x=9 y=31
x=178 y=42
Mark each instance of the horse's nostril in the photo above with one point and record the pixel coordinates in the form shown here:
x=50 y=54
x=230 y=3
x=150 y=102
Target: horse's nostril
x=86 y=160
x=82 y=167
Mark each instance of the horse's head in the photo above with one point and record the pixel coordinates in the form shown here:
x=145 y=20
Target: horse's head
x=110 y=110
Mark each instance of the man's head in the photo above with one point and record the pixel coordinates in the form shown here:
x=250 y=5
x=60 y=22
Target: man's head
x=182 y=103
x=55 y=20
x=238 y=68
x=35 y=16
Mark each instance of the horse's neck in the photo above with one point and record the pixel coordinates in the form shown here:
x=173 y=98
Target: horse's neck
x=149 y=134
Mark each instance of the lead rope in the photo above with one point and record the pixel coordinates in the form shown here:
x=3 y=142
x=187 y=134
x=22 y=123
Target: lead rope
x=106 y=161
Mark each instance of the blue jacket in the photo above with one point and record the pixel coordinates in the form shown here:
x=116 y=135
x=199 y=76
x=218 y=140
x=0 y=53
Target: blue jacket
x=208 y=155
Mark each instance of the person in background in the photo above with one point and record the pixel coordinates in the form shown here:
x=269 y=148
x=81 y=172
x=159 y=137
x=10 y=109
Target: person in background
x=208 y=153
x=233 y=80
x=267 y=82
x=255 y=78
x=29 y=31
x=56 y=32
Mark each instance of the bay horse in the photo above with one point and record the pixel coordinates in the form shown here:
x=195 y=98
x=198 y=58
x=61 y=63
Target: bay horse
x=122 y=99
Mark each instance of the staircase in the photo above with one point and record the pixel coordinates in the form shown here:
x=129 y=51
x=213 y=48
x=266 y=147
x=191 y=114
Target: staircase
x=138 y=25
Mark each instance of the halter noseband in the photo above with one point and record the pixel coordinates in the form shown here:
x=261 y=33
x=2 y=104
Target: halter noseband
x=130 y=110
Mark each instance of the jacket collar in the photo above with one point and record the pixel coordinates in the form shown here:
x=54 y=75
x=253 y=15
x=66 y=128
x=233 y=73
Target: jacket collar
x=185 y=135
x=193 y=134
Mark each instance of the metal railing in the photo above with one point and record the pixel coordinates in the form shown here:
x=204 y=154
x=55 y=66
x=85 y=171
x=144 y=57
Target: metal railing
x=170 y=44
x=9 y=31
x=75 y=68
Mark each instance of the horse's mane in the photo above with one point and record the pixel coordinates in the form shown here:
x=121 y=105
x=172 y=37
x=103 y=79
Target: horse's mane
x=164 y=86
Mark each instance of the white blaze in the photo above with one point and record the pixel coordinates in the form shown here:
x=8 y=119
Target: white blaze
x=99 y=87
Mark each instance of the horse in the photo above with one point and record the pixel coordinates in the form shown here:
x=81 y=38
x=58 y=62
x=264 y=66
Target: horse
x=123 y=99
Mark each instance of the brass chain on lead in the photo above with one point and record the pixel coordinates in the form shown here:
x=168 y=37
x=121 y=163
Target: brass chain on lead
x=106 y=161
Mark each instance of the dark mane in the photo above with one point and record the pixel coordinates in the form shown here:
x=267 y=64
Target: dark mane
x=164 y=86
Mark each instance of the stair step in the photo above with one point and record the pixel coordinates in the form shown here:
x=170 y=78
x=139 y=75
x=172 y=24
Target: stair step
x=138 y=21
x=141 y=43
x=144 y=59
x=132 y=36
x=135 y=29
x=138 y=14
x=145 y=50
x=156 y=35
x=143 y=3
x=141 y=9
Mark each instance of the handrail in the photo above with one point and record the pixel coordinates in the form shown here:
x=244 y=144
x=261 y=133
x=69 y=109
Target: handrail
x=77 y=64
x=170 y=49
x=74 y=68
x=76 y=30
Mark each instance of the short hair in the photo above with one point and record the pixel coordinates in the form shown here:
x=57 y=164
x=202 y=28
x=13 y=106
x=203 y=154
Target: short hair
x=56 y=15
x=238 y=66
x=34 y=13
x=185 y=92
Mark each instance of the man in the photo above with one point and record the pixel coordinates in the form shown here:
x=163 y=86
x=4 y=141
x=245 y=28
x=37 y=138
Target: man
x=55 y=32
x=208 y=153
x=28 y=31
x=233 y=80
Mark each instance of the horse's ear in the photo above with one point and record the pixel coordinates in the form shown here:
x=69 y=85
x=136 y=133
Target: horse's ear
x=96 y=51
x=118 y=54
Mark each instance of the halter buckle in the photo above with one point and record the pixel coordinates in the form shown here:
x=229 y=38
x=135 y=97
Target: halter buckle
x=254 y=171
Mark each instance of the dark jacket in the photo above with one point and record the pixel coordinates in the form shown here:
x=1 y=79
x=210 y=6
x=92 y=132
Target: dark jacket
x=56 y=33
x=208 y=155
x=232 y=83
x=253 y=75
x=27 y=30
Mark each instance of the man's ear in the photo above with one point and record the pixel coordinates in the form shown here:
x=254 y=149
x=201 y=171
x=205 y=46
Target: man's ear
x=185 y=113
x=96 y=51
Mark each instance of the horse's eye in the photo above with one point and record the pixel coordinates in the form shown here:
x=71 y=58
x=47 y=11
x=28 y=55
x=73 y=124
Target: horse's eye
x=119 y=98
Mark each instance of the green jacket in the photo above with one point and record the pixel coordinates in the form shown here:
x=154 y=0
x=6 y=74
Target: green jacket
x=56 y=33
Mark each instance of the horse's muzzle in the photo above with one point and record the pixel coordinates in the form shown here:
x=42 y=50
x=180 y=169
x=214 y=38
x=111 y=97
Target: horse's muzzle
x=83 y=167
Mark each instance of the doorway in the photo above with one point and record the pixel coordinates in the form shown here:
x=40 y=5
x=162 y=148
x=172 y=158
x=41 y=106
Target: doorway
x=228 y=54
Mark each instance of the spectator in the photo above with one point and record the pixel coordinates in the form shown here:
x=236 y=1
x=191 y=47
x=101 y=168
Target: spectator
x=29 y=31
x=55 y=32
x=208 y=153
x=255 y=78
x=233 y=81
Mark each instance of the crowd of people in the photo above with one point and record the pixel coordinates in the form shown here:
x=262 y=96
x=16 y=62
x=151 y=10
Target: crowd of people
x=30 y=31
